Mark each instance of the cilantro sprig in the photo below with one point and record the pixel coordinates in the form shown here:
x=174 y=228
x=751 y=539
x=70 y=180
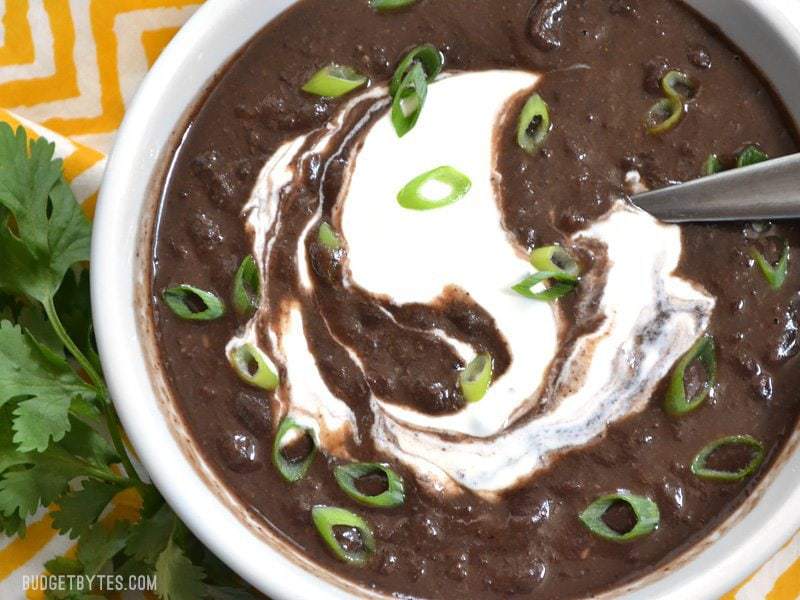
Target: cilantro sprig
x=61 y=442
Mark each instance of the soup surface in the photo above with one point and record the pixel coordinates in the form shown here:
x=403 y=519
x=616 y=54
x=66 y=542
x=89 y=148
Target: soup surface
x=541 y=370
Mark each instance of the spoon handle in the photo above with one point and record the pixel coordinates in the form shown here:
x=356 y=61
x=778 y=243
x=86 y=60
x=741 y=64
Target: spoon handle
x=765 y=191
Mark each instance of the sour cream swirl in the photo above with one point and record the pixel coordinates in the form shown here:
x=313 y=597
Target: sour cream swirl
x=648 y=316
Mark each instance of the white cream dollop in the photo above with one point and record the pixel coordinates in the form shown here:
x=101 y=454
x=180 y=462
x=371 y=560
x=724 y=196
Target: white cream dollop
x=411 y=256
x=650 y=316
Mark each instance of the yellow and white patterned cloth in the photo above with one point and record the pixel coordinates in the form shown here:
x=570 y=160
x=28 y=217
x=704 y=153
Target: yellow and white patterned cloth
x=68 y=69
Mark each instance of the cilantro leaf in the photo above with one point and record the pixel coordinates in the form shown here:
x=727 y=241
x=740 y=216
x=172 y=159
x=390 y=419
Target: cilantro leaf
x=134 y=568
x=74 y=307
x=27 y=174
x=85 y=442
x=33 y=320
x=71 y=588
x=10 y=456
x=178 y=578
x=78 y=511
x=99 y=545
x=12 y=525
x=8 y=304
x=52 y=233
x=62 y=565
x=151 y=535
x=29 y=369
x=22 y=491
x=86 y=410
x=38 y=421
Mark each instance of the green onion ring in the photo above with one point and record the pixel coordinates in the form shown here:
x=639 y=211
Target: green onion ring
x=676 y=403
x=750 y=156
x=555 y=259
x=664 y=115
x=476 y=378
x=327 y=517
x=409 y=100
x=712 y=165
x=412 y=196
x=700 y=469
x=328 y=237
x=534 y=124
x=560 y=286
x=179 y=296
x=334 y=81
x=246 y=286
x=774 y=274
x=253 y=366
x=428 y=56
x=673 y=79
x=291 y=471
x=347 y=475
x=382 y=5
x=647 y=516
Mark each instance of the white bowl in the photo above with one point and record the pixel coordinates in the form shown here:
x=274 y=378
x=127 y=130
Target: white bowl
x=206 y=42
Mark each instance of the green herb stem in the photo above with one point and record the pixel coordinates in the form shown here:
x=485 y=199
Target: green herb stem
x=112 y=419
x=88 y=469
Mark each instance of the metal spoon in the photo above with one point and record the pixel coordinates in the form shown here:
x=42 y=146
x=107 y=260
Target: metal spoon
x=765 y=191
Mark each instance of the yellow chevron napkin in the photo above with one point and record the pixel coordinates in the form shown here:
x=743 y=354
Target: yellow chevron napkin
x=68 y=68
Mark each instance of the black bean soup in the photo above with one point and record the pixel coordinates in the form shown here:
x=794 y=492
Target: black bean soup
x=634 y=94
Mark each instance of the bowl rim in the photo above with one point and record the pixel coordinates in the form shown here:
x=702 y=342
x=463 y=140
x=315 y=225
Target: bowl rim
x=737 y=548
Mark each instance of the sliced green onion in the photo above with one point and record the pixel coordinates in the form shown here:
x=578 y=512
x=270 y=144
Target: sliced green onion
x=476 y=378
x=292 y=470
x=534 y=124
x=193 y=304
x=327 y=517
x=674 y=82
x=676 y=402
x=774 y=274
x=712 y=165
x=334 y=81
x=409 y=100
x=347 y=475
x=560 y=286
x=555 y=259
x=701 y=470
x=426 y=55
x=329 y=238
x=421 y=192
x=253 y=366
x=646 y=511
x=664 y=115
x=382 y=5
x=246 y=286
x=751 y=156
